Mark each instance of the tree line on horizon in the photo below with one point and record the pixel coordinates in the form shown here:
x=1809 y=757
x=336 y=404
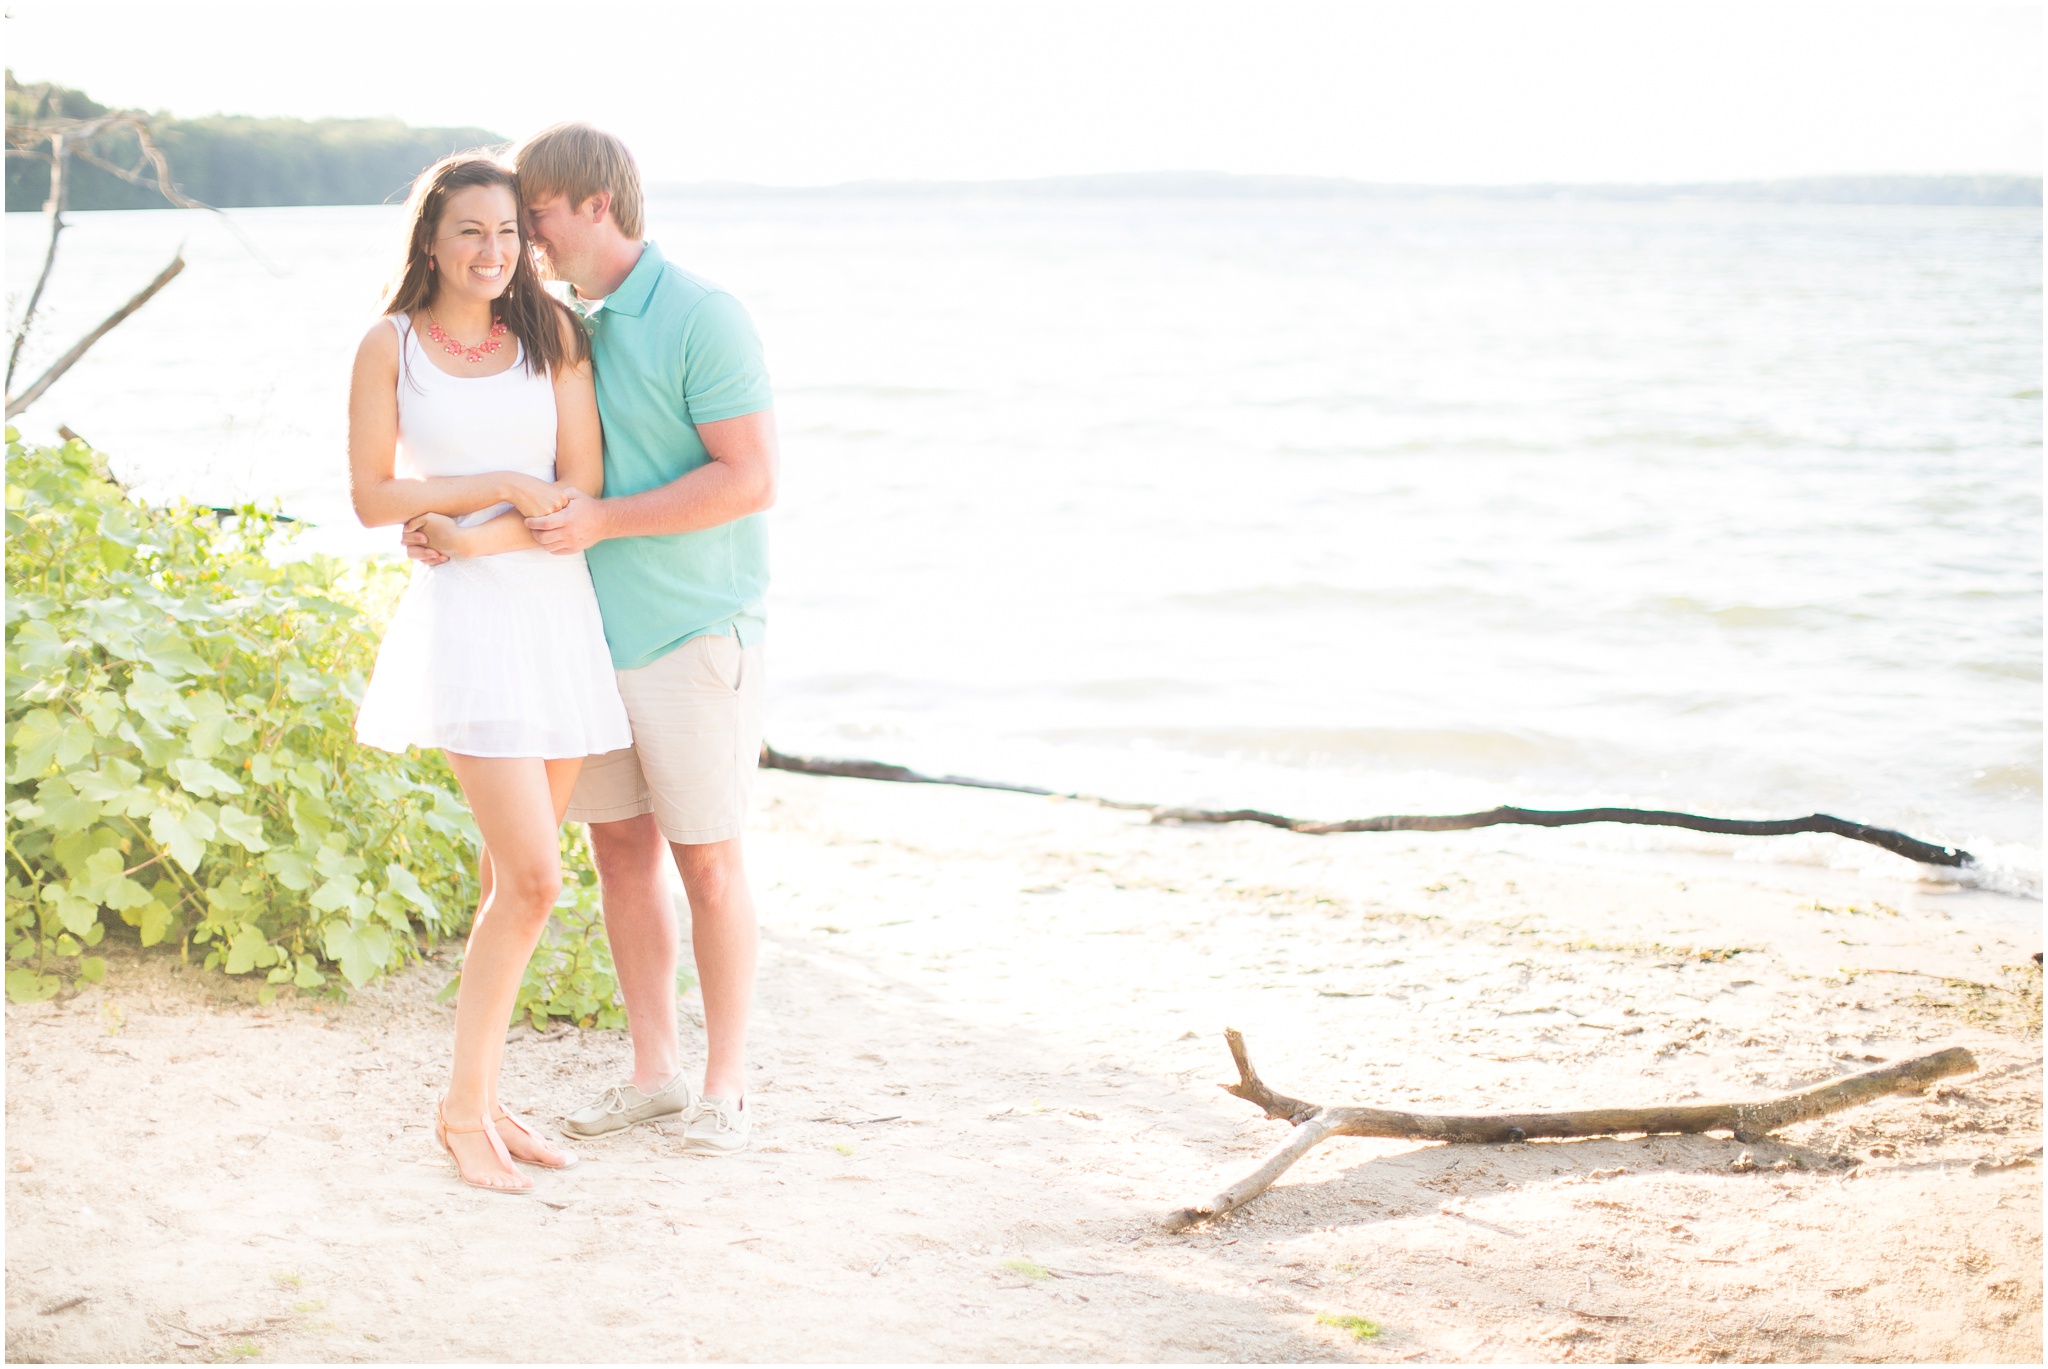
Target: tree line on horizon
x=244 y=161
x=232 y=161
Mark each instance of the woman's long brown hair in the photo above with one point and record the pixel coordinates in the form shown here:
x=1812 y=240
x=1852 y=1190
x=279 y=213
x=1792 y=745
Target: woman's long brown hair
x=530 y=313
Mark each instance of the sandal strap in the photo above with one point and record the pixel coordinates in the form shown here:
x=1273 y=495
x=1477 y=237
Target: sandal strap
x=506 y=1114
x=453 y=1129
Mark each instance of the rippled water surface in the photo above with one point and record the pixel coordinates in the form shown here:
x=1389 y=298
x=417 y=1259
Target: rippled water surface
x=1336 y=508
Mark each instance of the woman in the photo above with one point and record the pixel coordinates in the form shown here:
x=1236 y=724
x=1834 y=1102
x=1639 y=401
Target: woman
x=471 y=409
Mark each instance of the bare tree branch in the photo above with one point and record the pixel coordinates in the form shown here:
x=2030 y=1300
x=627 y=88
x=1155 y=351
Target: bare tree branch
x=54 y=207
x=16 y=403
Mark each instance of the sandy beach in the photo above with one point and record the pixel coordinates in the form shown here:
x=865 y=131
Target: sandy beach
x=988 y=1042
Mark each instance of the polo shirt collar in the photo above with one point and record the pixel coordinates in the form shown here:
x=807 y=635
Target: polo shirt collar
x=637 y=288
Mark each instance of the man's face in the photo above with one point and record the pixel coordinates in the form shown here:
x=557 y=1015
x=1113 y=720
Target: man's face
x=563 y=234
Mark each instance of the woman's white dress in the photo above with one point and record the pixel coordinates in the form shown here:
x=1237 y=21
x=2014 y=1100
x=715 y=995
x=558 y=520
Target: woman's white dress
x=495 y=655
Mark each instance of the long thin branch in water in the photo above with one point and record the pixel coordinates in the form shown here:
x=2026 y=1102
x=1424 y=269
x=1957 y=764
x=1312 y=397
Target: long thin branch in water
x=1315 y=1123
x=1898 y=843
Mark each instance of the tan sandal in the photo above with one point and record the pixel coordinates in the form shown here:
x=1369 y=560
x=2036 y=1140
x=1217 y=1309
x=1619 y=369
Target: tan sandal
x=570 y=1159
x=443 y=1127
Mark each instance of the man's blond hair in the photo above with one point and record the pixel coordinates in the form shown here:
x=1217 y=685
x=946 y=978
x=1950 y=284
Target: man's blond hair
x=576 y=161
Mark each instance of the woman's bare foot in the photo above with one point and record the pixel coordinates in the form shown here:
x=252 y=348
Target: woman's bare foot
x=527 y=1144
x=480 y=1156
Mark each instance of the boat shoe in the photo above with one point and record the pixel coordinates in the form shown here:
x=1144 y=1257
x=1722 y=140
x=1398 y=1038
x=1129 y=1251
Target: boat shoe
x=622 y=1106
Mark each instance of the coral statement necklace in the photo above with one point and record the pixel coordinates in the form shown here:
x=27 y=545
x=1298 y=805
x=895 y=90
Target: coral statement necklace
x=490 y=344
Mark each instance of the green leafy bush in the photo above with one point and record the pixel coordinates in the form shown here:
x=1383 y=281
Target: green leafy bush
x=181 y=756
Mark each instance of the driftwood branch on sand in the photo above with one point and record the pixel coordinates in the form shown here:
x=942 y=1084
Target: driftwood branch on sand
x=1898 y=843
x=1315 y=1123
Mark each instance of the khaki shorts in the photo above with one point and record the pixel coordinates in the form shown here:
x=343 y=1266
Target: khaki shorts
x=696 y=716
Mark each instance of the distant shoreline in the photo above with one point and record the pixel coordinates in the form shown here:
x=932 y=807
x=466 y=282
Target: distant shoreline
x=1979 y=191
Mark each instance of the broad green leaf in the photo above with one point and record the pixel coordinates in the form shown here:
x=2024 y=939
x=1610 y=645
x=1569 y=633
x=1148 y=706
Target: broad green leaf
x=34 y=742
x=37 y=647
x=26 y=986
x=110 y=783
x=76 y=743
x=156 y=920
x=170 y=653
x=209 y=723
x=335 y=894
x=74 y=850
x=117 y=524
x=63 y=809
x=113 y=555
x=229 y=899
x=75 y=913
x=103 y=711
x=360 y=951
x=263 y=770
x=184 y=837
x=105 y=881
x=293 y=870
x=157 y=701
x=332 y=860
x=400 y=881
x=246 y=829
x=311 y=817
x=202 y=780
x=308 y=976
x=92 y=969
x=248 y=950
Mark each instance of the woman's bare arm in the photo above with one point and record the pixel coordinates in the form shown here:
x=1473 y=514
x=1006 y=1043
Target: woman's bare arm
x=579 y=437
x=381 y=498
x=506 y=532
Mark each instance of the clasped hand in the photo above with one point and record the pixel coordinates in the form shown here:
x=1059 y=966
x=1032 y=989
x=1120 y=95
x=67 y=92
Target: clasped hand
x=436 y=538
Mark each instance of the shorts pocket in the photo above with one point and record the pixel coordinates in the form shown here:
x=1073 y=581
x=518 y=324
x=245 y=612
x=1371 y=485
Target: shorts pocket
x=724 y=661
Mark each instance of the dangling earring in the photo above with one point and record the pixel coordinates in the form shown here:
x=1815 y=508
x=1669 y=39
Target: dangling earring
x=430 y=263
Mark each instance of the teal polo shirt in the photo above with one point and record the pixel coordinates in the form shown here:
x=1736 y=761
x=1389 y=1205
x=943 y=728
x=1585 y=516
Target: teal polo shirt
x=671 y=351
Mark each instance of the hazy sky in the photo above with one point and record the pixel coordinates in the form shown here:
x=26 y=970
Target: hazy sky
x=1442 y=91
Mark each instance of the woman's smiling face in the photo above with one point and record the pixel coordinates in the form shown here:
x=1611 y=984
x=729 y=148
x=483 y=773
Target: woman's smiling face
x=476 y=244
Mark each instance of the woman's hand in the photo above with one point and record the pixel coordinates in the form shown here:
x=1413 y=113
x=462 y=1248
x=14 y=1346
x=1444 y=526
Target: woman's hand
x=439 y=532
x=533 y=498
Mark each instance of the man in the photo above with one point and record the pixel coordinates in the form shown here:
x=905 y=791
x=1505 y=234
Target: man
x=678 y=555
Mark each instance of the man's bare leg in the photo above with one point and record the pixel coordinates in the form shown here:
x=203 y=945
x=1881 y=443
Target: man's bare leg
x=725 y=938
x=640 y=923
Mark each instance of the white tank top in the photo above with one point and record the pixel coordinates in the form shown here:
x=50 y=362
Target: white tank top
x=471 y=425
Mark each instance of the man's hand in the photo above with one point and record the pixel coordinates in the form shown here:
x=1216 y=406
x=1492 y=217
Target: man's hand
x=576 y=525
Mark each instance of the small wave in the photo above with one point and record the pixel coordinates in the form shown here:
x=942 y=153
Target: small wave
x=1750 y=616
x=2003 y=780
x=1269 y=598
x=871 y=391
x=1123 y=690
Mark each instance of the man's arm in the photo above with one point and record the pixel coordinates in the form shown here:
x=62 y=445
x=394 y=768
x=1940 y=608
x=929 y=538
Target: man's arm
x=739 y=479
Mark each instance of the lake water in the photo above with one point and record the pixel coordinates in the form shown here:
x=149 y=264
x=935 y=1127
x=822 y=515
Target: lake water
x=1333 y=508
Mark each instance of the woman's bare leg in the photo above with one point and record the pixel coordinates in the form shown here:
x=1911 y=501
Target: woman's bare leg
x=517 y=813
x=537 y=1150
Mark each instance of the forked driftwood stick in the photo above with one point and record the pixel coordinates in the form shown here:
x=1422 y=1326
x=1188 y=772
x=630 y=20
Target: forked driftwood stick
x=1898 y=843
x=1748 y=1121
